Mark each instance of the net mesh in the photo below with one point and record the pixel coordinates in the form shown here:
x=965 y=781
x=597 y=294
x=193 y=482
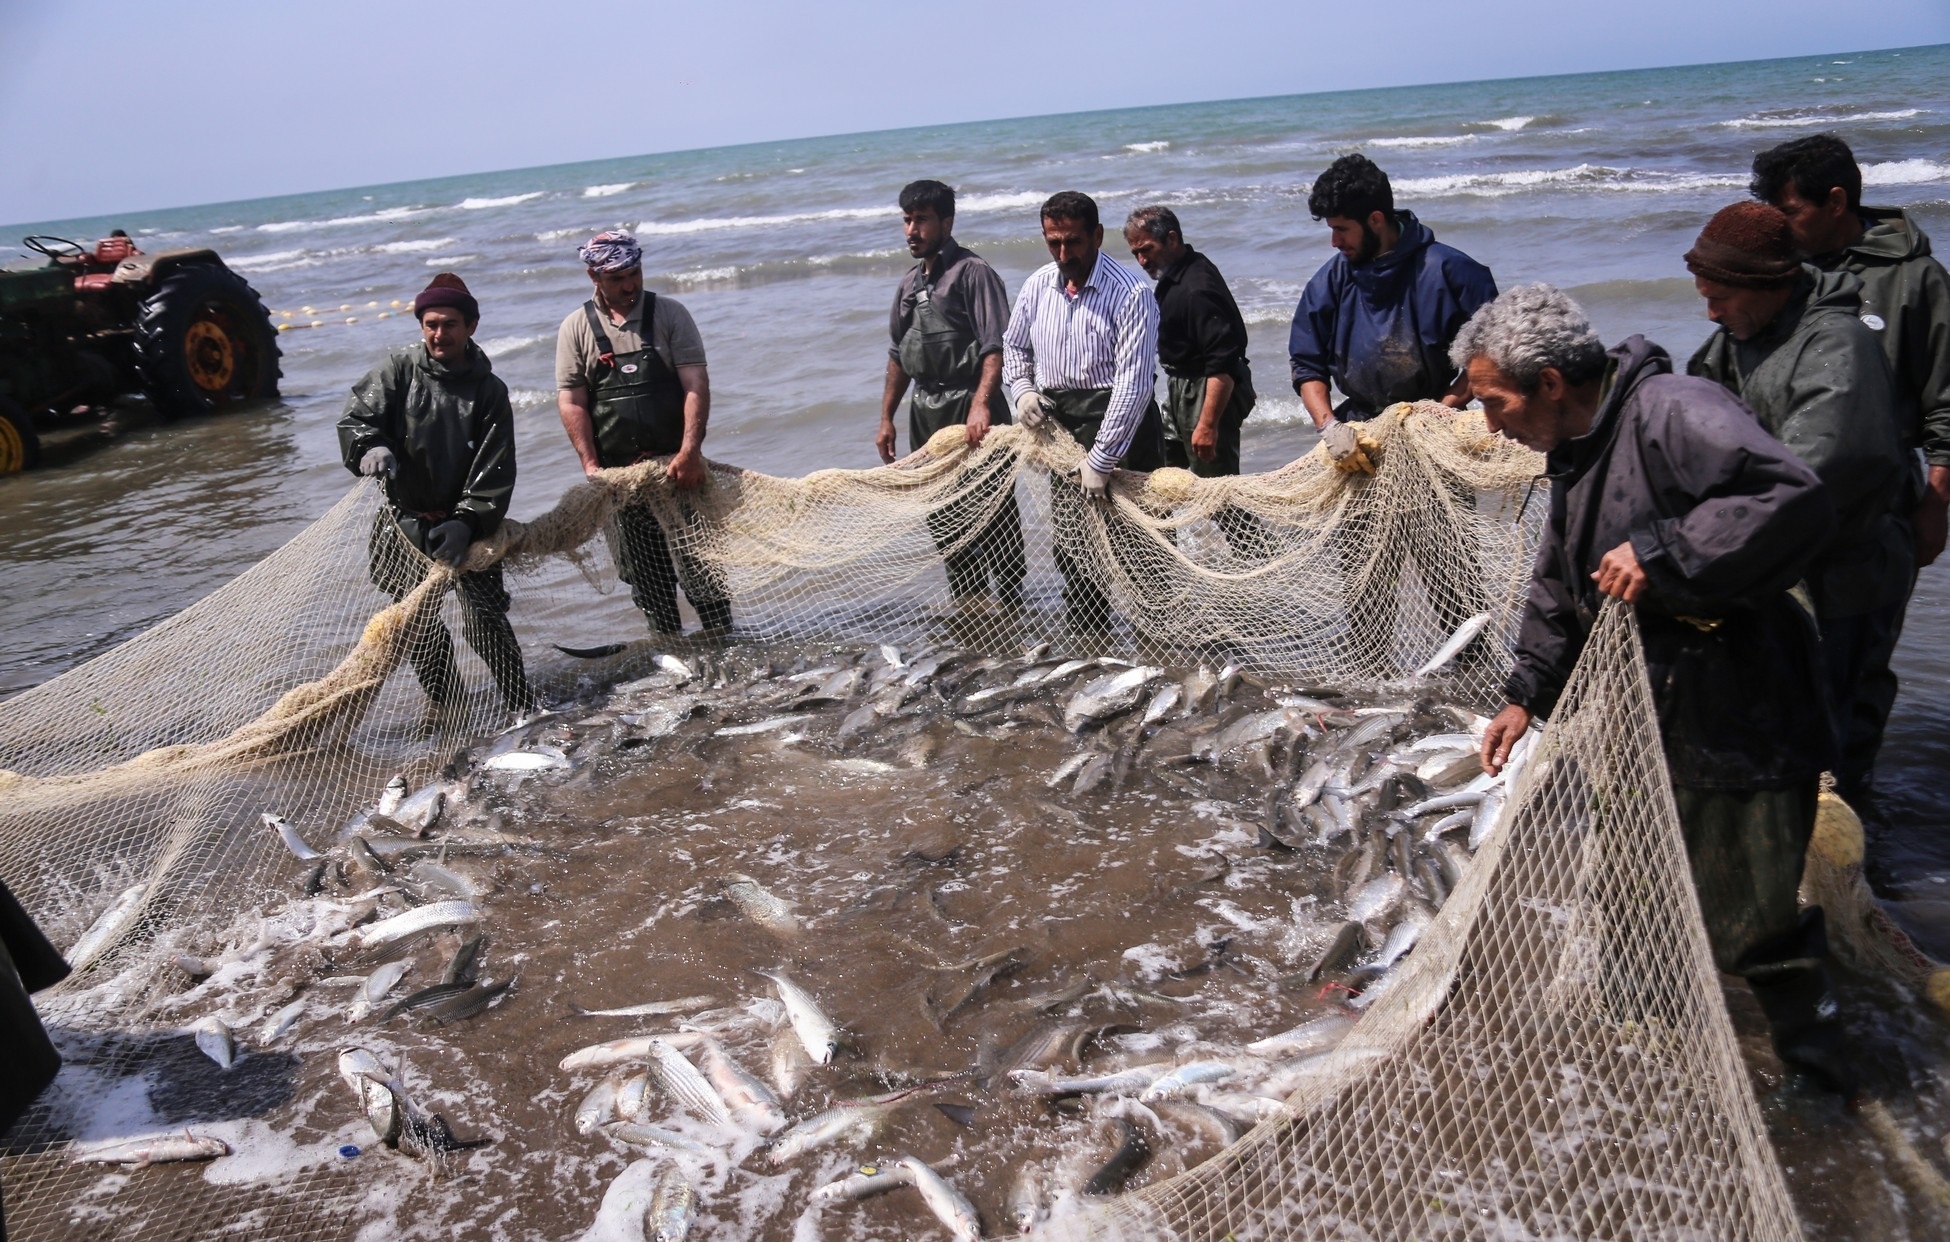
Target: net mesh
x=1555 y=1059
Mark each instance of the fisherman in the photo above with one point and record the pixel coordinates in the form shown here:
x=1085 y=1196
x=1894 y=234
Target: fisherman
x=1791 y=346
x=947 y=322
x=1906 y=303
x=1666 y=493
x=631 y=384
x=28 y=963
x=1377 y=320
x=433 y=421
x=1081 y=350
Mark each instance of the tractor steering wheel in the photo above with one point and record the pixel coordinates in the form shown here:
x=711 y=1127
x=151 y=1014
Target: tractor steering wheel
x=55 y=247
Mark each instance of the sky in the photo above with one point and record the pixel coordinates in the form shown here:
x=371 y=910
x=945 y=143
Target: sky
x=115 y=105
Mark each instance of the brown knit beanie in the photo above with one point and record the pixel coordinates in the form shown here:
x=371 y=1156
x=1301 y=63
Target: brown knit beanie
x=1747 y=244
x=447 y=289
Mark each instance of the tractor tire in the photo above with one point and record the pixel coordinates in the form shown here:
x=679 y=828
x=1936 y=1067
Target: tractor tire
x=20 y=446
x=203 y=341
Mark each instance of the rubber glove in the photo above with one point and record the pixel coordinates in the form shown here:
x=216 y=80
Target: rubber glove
x=378 y=461
x=1344 y=448
x=1095 y=486
x=447 y=542
x=1032 y=409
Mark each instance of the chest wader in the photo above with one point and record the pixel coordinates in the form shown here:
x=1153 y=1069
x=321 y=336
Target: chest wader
x=1184 y=403
x=637 y=405
x=1080 y=411
x=945 y=364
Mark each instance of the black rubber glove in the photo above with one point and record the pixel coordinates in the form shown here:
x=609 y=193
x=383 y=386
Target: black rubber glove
x=378 y=461
x=447 y=542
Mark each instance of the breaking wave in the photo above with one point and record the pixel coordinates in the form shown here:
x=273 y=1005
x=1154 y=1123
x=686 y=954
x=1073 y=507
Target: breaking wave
x=1905 y=172
x=604 y=191
x=371 y=217
x=408 y=247
x=1579 y=177
x=476 y=204
x=1795 y=120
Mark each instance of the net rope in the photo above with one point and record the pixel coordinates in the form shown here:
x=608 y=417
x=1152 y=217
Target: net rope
x=1555 y=1061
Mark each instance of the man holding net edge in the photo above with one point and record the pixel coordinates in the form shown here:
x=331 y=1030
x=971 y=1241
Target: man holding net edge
x=1376 y=320
x=434 y=423
x=1668 y=494
x=1081 y=351
x=947 y=322
x=631 y=384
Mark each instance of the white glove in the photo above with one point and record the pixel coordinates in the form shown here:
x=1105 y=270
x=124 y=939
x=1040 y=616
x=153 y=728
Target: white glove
x=1340 y=440
x=1033 y=409
x=378 y=461
x=1095 y=486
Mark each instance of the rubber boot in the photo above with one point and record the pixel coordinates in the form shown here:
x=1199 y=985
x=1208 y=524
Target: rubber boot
x=1791 y=984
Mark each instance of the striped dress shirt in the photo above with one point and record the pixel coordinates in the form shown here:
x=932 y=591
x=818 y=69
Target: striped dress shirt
x=1104 y=336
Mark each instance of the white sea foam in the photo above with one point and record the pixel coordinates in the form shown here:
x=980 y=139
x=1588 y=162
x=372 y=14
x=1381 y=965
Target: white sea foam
x=1511 y=124
x=1905 y=172
x=605 y=191
x=477 y=204
x=1145 y=148
x=999 y=202
x=1796 y=120
x=703 y=276
x=451 y=260
x=1579 y=177
x=500 y=345
x=390 y=213
x=276 y=261
x=409 y=247
x=228 y=228
x=1438 y=140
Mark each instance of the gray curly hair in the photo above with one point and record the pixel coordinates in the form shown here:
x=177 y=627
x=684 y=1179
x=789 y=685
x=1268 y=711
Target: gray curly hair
x=1527 y=329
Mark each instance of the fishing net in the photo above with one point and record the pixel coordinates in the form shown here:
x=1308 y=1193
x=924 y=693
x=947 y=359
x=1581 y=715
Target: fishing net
x=1555 y=1061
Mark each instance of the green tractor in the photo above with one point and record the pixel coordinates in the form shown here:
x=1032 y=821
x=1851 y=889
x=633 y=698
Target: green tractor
x=92 y=325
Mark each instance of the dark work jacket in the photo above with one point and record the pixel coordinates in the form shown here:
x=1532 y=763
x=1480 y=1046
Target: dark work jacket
x=1817 y=380
x=1906 y=303
x=1381 y=331
x=1724 y=520
x=451 y=428
x=28 y=963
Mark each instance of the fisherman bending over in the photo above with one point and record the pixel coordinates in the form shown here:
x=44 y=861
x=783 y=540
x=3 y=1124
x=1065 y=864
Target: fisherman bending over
x=949 y=314
x=1667 y=494
x=1081 y=350
x=631 y=384
x=1790 y=345
x=1377 y=319
x=1906 y=304
x=433 y=422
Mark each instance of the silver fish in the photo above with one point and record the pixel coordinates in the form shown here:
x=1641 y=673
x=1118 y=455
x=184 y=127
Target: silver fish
x=643 y=1134
x=816 y=1031
x=865 y=1182
x=539 y=759
x=1169 y=696
x=1376 y=898
x=1120 y=1082
x=1310 y=784
x=289 y=835
x=419 y=812
x=1449 y=650
x=1094 y=772
x=615 y=1052
x=773 y=725
x=460 y=884
x=1469 y=795
x=673 y=1205
x=1024 y=1199
x=835 y=1123
x=949 y=1206
x=1314 y=1035
x=682 y=1082
x=1108 y=695
x=1488 y=812
x=418 y=919
x=391 y=796
x=789 y=1062
x=107 y=929
x=762 y=906
x=892 y=655
x=652 y=1009
x=744 y=1092
x=1184 y=1078
x=1068 y=768
x=632 y=1097
x=597 y=1107
x=214 y=1040
x=1455 y=819
x=1402 y=937
x=160 y=1149
x=278 y=1023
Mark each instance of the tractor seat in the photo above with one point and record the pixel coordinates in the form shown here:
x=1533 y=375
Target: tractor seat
x=94 y=282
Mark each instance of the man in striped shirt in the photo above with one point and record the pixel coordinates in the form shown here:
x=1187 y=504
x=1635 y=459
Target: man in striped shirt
x=1081 y=351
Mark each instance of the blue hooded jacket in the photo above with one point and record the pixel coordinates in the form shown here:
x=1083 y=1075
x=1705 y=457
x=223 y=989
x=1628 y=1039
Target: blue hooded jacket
x=1381 y=332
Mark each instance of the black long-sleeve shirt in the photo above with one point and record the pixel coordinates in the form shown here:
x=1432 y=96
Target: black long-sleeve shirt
x=1200 y=330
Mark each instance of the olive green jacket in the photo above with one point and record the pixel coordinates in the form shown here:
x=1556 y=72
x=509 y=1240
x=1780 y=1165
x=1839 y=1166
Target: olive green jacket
x=1817 y=379
x=1906 y=303
x=451 y=428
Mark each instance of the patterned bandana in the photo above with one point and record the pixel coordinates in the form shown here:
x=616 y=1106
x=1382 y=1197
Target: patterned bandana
x=612 y=251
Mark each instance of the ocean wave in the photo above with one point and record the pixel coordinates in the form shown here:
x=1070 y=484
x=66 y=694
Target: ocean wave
x=276 y=261
x=1439 y=140
x=531 y=398
x=1511 y=124
x=604 y=191
x=477 y=204
x=707 y=224
x=408 y=247
x=451 y=260
x=1580 y=177
x=1795 y=120
x=1145 y=148
x=228 y=228
x=550 y=236
x=502 y=345
x=704 y=276
x=1905 y=172
x=389 y=213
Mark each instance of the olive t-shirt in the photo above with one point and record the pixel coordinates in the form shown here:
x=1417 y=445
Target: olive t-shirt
x=677 y=341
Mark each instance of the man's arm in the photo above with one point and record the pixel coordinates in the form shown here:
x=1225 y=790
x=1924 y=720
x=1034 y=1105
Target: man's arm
x=572 y=404
x=1133 y=382
x=364 y=425
x=1470 y=287
x=1221 y=348
x=890 y=401
x=687 y=467
x=491 y=479
x=1018 y=355
x=1205 y=436
x=1926 y=356
x=978 y=404
x=1309 y=346
x=1313 y=398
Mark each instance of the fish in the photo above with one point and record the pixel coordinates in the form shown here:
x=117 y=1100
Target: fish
x=1446 y=768
x=615 y=1052
x=602 y=652
x=1068 y=768
x=1023 y=1201
x=1488 y=812
x=762 y=906
x=419 y=812
x=598 y=1106
x=1377 y=897
x=644 y=1134
x=467 y=1002
x=949 y=1205
x=107 y=929
x=375 y=987
x=1468 y=795
x=378 y=1097
x=214 y=1040
x=863 y=1183
x=772 y=725
x=682 y=1082
x=1465 y=633
x=673 y=1205
x=1314 y=1035
x=391 y=796
x=1221 y=1127
x=788 y=1062
x=278 y=1023
x=539 y=759
x=1119 y=1082
x=289 y=835
x=1454 y=819
x=1343 y=946
x=816 y=1031
x=652 y=1009
x=143 y=1152
x=625 y=1211
x=670 y=664
x=1094 y=772
x=743 y=1091
x=1168 y=697
x=419 y=919
x=1108 y=695
x=892 y=655
x=1402 y=937
x=1133 y=1150
x=1184 y=1078
x=425 y=998
x=460 y=884
x=833 y=1124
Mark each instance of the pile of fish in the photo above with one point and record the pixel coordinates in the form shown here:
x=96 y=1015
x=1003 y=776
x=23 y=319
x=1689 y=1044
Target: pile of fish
x=1291 y=843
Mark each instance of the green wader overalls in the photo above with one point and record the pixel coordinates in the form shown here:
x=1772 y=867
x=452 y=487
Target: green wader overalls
x=638 y=408
x=1080 y=411
x=945 y=363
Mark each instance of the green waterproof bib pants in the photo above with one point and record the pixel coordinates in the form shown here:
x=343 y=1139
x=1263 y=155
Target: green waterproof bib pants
x=1080 y=411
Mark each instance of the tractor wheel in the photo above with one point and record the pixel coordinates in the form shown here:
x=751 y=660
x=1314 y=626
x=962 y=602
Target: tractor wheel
x=20 y=447
x=203 y=341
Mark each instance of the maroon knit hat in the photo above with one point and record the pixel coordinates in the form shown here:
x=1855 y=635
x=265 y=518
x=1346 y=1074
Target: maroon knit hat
x=1746 y=244
x=447 y=289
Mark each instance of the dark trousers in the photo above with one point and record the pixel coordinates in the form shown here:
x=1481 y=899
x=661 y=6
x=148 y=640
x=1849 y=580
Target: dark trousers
x=484 y=602
x=1081 y=413
x=644 y=560
x=995 y=553
x=1184 y=403
x=1861 y=691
